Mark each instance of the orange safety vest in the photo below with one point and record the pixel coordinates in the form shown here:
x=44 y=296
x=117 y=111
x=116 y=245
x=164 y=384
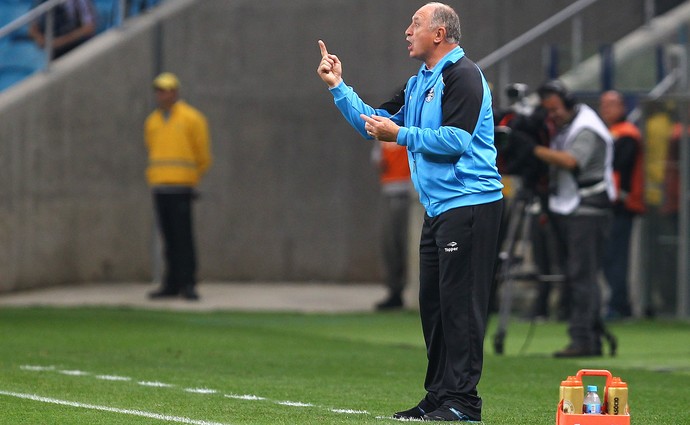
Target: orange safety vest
x=394 y=163
x=633 y=200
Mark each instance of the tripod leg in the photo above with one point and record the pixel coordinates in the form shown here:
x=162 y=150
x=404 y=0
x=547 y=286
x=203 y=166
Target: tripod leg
x=608 y=336
x=507 y=259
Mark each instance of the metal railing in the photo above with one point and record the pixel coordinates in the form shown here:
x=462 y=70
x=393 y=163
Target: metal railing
x=569 y=12
x=47 y=9
x=531 y=35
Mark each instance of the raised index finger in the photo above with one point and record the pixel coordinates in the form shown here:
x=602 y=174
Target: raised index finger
x=322 y=46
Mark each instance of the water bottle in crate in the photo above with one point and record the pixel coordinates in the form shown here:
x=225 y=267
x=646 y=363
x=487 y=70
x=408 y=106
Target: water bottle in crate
x=614 y=409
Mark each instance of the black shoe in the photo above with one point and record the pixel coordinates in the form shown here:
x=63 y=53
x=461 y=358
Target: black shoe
x=190 y=294
x=163 y=294
x=572 y=351
x=612 y=341
x=414 y=413
x=446 y=413
x=393 y=302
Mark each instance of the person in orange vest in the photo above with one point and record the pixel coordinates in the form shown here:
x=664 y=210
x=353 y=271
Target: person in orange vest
x=628 y=174
x=396 y=188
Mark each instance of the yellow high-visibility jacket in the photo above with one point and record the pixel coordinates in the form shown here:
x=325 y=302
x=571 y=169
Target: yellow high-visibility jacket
x=179 y=147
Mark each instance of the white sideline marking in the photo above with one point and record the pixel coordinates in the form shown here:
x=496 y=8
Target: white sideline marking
x=73 y=372
x=37 y=368
x=350 y=411
x=294 y=404
x=154 y=384
x=168 y=418
x=113 y=378
x=158 y=384
x=245 y=397
x=200 y=390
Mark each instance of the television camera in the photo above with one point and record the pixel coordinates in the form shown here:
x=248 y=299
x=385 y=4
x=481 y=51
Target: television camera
x=518 y=129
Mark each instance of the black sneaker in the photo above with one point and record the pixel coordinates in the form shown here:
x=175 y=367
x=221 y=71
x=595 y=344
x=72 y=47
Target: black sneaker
x=190 y=294
x=414 y=413
x=393 y=302
x=163 y=294
x=445 y=413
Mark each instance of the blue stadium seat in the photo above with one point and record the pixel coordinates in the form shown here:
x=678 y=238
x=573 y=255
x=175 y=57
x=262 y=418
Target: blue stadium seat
x=19 y=59
x=21 y=52
x=107 y=13
x=138 y=6
x=109 y=10
x=10 y=75
x=11 y=10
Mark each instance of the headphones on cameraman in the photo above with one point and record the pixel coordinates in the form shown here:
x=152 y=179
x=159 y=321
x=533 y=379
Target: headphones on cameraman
x=558 y=88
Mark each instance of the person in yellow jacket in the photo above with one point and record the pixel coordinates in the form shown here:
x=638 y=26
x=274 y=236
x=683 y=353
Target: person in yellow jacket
x=178 y=144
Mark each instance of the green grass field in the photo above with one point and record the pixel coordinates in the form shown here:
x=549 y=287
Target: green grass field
x=124 y=366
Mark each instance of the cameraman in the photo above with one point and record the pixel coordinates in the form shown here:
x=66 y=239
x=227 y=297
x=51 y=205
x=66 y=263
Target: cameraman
x=581 y=190
x=519 y=128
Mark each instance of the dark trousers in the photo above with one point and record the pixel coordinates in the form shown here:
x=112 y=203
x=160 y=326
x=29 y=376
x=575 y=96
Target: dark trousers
x=395 y=223
x=174 y=214
x=616 y=260
x=581 y=242
x=547 y=262
x=457 y=253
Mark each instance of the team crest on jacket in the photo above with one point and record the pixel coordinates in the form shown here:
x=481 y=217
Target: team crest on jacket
x=429 y=96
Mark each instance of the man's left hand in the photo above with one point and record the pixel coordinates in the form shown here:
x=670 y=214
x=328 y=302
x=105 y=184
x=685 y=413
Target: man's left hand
x=381 y=128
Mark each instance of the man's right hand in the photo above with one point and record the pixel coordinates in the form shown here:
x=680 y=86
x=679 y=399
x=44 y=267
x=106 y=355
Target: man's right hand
x=330 y=69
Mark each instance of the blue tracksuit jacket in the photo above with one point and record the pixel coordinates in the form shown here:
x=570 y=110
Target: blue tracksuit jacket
x=447 y=125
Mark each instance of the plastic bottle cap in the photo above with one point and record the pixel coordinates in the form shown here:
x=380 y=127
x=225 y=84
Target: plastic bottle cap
x=592 y=388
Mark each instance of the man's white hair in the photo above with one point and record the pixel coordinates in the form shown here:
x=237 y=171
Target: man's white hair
x=445 y=16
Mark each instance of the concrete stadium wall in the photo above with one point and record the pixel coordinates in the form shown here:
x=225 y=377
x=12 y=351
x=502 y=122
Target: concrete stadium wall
x=74 y=208
x=292 y=194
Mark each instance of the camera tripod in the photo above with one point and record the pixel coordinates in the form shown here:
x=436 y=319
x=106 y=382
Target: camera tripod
x=518 y=235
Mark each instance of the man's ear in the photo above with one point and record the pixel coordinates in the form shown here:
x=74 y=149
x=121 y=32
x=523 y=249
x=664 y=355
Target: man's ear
x=439 y=35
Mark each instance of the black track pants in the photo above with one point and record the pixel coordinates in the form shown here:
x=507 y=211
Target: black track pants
x=457 y=251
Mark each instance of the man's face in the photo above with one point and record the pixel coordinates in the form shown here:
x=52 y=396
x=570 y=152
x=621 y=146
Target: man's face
x=420 y=35
x=556 y=110
x=165 y=98
x=611 y=108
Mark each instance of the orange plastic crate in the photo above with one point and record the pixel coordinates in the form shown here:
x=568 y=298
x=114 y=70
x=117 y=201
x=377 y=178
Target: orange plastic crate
x=581 y=419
